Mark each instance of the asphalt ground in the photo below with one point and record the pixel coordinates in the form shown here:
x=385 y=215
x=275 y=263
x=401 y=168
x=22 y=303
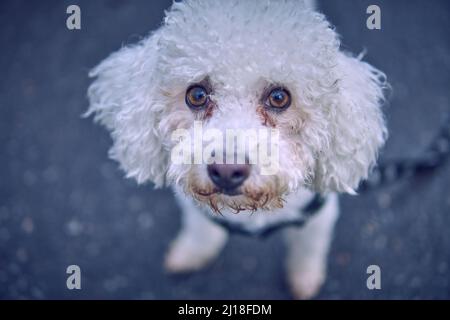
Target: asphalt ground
x=63 y=202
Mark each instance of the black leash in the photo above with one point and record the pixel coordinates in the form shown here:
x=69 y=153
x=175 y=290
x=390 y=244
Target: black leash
x=433 y=157
x=384 y=174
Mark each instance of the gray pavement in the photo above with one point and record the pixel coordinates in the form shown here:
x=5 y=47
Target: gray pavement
x=63 y=202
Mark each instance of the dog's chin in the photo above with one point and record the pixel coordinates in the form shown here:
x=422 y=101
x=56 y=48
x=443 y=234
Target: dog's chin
x=237 y=200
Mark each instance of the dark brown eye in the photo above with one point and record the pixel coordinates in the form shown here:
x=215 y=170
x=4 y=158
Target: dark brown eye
x=278 y=98
x=196 y=96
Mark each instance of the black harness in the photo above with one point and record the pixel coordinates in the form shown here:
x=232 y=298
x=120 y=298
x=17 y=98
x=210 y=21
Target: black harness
x=384 y=174
x=305 y=213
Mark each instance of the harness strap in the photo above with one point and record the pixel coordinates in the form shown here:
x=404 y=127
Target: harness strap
x=312 y=207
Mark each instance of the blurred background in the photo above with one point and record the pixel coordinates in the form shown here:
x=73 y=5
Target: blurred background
x=63 y=202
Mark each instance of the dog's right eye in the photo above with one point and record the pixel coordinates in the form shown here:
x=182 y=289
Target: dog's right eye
x=196 y=97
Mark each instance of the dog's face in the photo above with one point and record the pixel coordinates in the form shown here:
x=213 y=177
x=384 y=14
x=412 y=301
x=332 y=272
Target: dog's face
x=265 y=66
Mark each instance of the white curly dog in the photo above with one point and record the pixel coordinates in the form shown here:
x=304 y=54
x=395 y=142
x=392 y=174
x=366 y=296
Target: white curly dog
x=249 y=64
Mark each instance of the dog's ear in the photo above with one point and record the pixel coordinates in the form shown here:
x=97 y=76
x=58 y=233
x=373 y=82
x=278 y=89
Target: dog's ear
x=356 y=127
x=123 y=99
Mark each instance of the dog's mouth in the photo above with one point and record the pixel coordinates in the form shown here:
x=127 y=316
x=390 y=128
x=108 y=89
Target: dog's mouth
x=238 y=200
x=225 y=192
x=230 y=192
x=253 y=195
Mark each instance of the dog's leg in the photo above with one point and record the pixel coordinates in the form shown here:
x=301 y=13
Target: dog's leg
x=308 y=249
x=199 y=241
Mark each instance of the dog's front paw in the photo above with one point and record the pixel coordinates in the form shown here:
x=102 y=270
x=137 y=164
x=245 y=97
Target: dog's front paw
x=186 y=254
x=306 y=284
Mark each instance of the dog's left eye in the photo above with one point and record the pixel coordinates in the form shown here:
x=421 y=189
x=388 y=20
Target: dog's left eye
x=278 y=99
x=196 y=96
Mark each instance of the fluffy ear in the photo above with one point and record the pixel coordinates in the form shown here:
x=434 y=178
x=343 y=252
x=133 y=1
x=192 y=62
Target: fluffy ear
x=356 y=126
x=123 y=98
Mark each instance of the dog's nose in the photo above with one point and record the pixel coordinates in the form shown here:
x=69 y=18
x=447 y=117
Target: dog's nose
x=228 y=176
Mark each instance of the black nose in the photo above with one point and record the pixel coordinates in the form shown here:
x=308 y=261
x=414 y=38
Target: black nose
x=228 y=176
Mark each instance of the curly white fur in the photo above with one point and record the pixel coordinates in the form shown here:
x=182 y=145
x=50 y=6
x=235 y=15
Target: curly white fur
x=330 y=135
